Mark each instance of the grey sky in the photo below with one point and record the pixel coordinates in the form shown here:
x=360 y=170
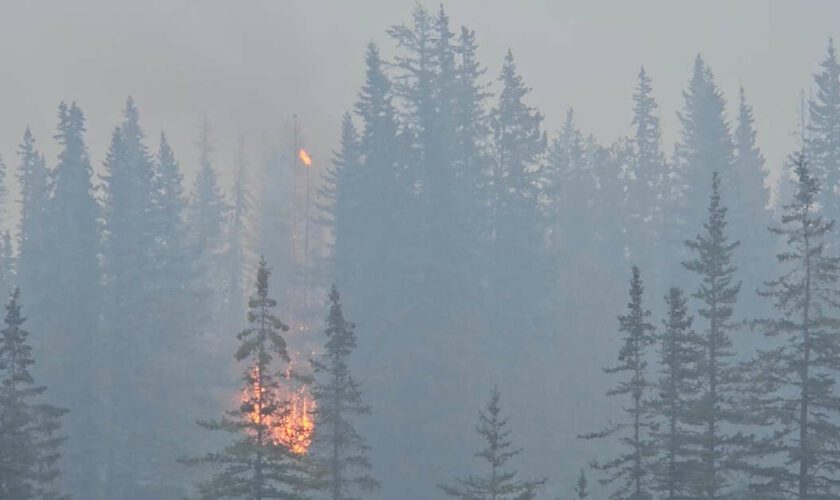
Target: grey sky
x=249 y=64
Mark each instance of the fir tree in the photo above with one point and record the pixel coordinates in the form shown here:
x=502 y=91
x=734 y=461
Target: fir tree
x=680 y=356
x=631 y=468
x=341 y=450
x=256 y=465
x=29 y=439
x=794 y=394
x=499 y=482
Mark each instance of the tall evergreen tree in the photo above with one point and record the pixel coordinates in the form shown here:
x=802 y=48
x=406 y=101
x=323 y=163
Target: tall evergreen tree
x=207 y=214
x=717 y=407
x=340 y=449
x=256 y=465
x=73 y=304
x=795 y=394
x=645 y=187
x=823 y=142
x=8 y=268
x=516 y=281
x=582 y=486
x=30 y=446
x=705 y=145
x=632 y=467
x=34 y=179
x=751 y=202
x=680 y=354
x=237 y=255
x=499 y=482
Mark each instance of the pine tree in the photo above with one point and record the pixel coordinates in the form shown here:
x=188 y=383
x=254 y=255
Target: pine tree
x=499 y=482
x=680 y=355
x=823 y=144
x=72 y=302
x=29 y=439
x=794 y=392
x=341 y=450
x=632 y=467
x=256 y=465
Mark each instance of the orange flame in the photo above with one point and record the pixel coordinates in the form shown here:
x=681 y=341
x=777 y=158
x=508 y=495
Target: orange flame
x=294 y=428
x=305 y=158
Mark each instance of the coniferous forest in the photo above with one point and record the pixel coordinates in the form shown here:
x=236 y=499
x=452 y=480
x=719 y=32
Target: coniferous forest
x=460 y=302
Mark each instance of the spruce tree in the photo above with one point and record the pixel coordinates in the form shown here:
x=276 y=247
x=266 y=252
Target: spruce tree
x=631 y=468
x=582 y=486
x=823 y=140
x=648 y=168
x=498 y=482
x=340 y=203
x=794 y=393
x=237 y=255
x=752 y=196
x=680 y=356
x=34 y=179
x=30 y=440
x=8 y=269
x=72 y=303
x=705 y=145
x=717 y=408
x=340 y=449
x=207 y=215
x=256 y=465
x=517 y=253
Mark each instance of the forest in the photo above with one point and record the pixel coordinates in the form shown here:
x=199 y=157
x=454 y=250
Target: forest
x=459 y=303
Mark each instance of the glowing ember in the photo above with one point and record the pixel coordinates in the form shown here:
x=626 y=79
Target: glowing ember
x=305 y=158
x=294 y=428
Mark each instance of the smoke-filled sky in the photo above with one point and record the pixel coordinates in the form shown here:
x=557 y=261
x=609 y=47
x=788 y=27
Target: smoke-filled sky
x=248 y=65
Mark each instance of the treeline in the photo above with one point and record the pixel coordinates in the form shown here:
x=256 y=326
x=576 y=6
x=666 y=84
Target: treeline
x=474 y=249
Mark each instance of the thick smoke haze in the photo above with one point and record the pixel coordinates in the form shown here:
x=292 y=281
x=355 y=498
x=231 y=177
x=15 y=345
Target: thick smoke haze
x=607 y=221
x=248 y=66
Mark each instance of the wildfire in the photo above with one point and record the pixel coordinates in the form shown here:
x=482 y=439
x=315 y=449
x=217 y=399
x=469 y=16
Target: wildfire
x=305 y=158
x=293 y=429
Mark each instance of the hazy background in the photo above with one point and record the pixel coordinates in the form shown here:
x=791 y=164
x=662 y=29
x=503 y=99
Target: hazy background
x=248 y=65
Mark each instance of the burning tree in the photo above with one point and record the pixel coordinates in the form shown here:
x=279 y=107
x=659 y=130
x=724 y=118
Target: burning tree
x=259 y=464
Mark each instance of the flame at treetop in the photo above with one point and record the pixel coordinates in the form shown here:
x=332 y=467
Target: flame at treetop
x=304 y=157
x=293 y=429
